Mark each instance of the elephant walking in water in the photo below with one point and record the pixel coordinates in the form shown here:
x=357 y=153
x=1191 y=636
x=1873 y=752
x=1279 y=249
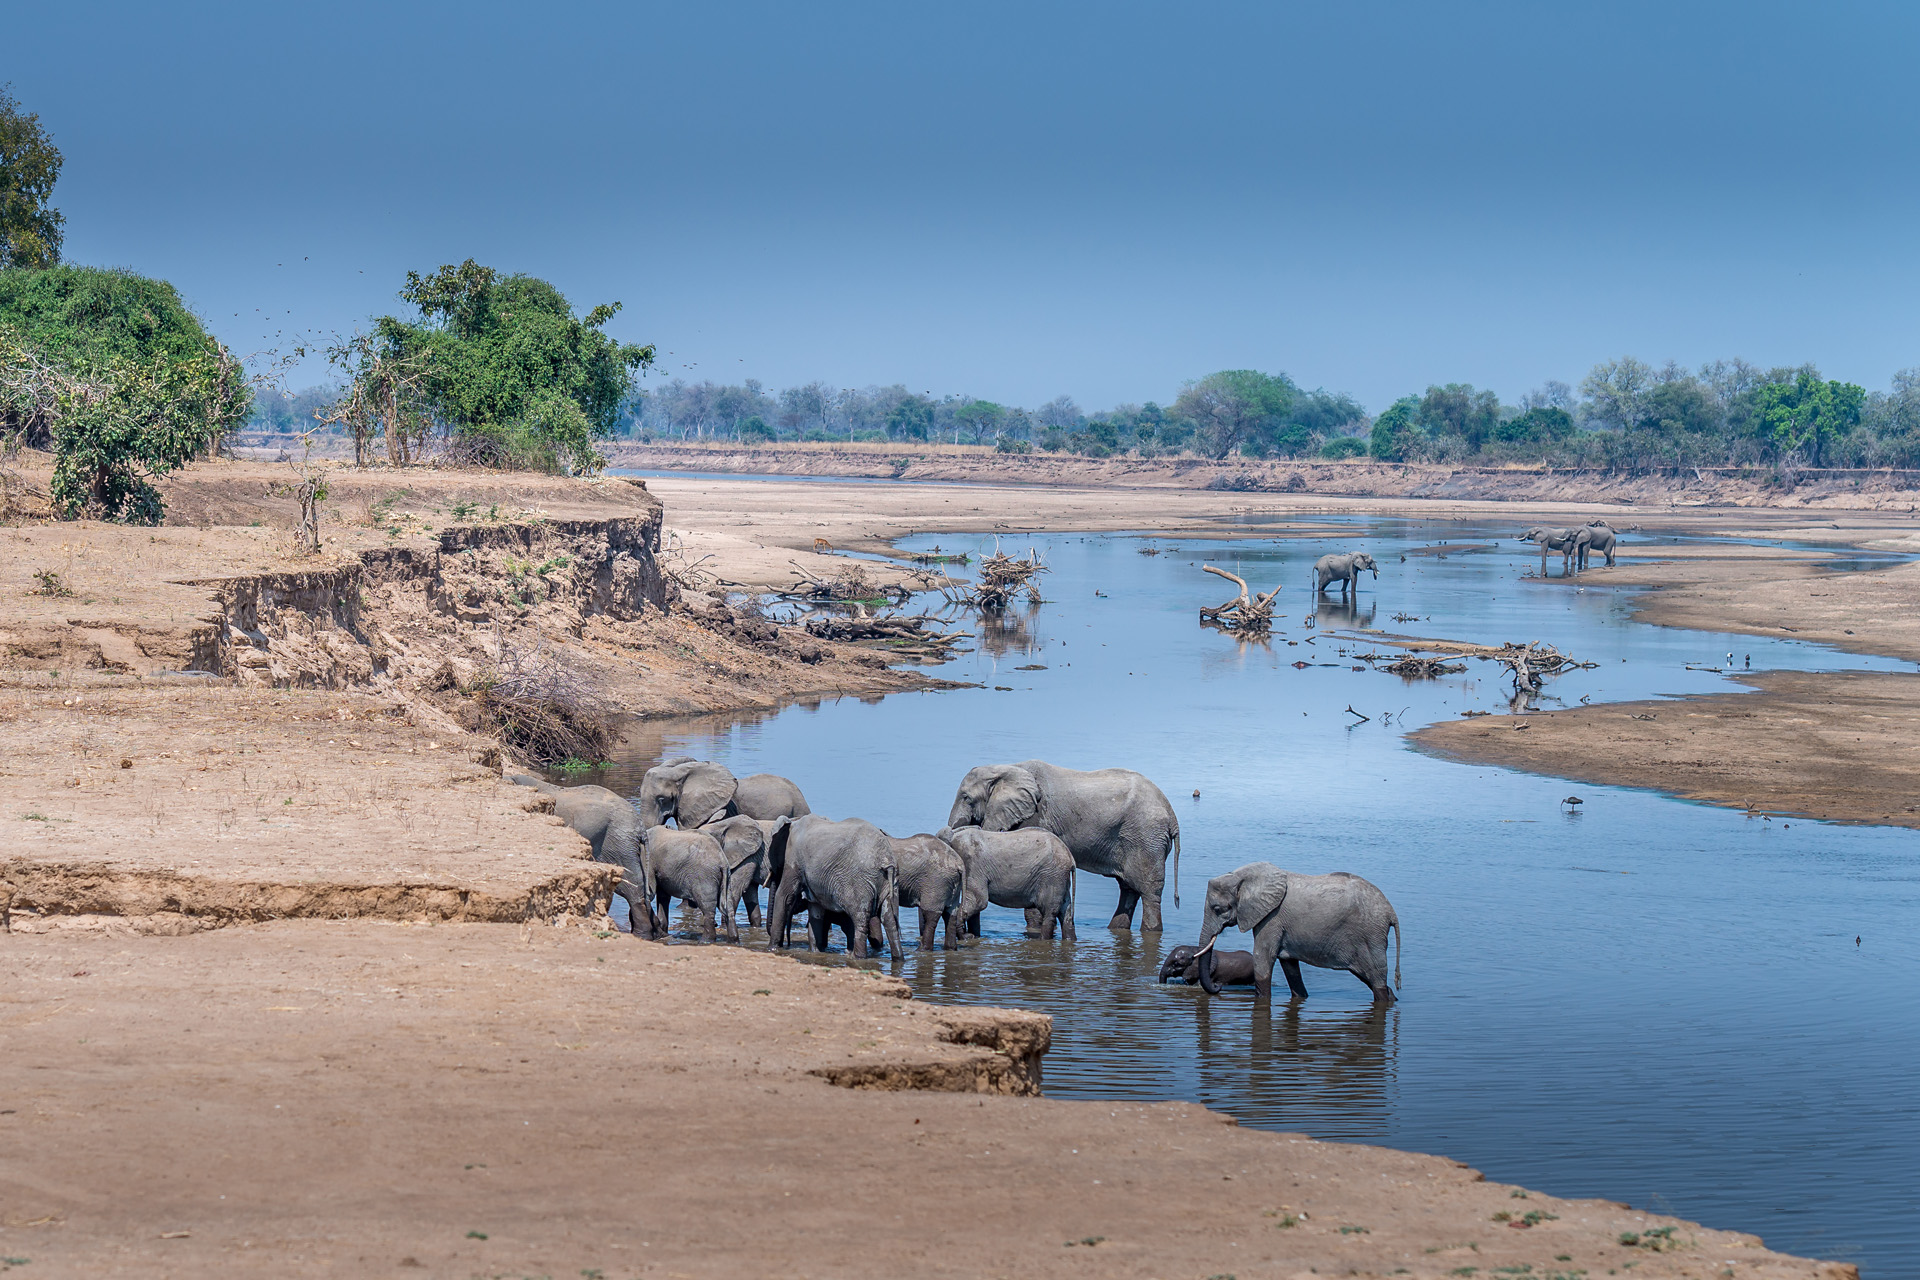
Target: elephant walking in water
x=1336 y=921
x=933 y=877
x=1343 y=569
x=845 y=873
x=1029 y=868
x=1114 y=821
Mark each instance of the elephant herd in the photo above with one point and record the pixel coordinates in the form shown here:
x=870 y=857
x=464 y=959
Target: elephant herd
x=1574 y=545
x=1014 y=837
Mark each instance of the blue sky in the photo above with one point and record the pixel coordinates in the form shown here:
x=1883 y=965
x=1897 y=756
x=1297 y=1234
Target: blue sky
x=1025 y=200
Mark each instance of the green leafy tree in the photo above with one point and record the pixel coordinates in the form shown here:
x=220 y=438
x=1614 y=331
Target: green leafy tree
x=1344 y=447
x=507 y=368
x=979 y=418
x=1543 y=424
x=1238 y=409
x=1804 y=416
x=1456 y=409
x=1396 y=432
x=911 y=418
x=756 y=431
x=30 y=227
x=116 y=376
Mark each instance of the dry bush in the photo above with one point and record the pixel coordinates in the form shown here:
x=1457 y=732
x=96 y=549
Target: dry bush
x=543 y=704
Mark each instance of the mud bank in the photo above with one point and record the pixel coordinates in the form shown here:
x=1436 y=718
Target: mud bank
x=1884 y=489
x=357 y=1098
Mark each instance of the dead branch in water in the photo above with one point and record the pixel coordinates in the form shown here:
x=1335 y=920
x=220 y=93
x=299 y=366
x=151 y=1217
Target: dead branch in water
x=1424 y=668
x=1246 y=611
x=1001 y=578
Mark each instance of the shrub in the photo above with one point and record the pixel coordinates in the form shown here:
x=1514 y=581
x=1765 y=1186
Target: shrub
x=1344 y=447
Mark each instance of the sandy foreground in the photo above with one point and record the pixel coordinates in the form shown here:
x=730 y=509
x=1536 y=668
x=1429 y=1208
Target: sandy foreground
x=450 y=1083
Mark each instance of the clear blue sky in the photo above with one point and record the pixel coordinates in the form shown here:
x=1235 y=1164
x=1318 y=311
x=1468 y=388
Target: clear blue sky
x=1026 y=200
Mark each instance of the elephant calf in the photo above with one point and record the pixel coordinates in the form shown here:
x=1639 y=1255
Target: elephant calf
x=744 y=842
x=1027 y=868
x=1336 y=921
x=1230 y=968
x=933 y=877
x=690 y=866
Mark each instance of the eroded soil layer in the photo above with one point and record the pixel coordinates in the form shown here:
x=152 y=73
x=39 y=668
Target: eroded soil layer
x=357 y=1098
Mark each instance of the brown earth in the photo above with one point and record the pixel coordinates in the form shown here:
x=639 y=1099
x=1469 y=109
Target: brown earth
x=370 y=1099
x=1885 y=489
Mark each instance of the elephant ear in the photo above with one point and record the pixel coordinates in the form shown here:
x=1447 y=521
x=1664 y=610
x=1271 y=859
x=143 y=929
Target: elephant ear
x=1014 y=799
x=705 y=794
x=1263 y=887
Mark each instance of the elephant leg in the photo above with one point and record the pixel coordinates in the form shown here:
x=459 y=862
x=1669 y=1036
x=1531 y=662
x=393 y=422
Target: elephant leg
x=817 y=928
x=780 y=905
x=729 y=927
x=876 y=932
x=973 y=924
x=1292 y=969
x=753 y=903
x=953 y=927
x=928 y=923
x=663 y=905
x=1150 y=907
x=1033 y=922
x=1048 y=919
x=1123 y=913
x=1066 y=920
x=857 y=936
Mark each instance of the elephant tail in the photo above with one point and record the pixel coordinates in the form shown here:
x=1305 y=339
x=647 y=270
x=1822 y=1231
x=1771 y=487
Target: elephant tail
x=1176 y=866
x=1398 y=934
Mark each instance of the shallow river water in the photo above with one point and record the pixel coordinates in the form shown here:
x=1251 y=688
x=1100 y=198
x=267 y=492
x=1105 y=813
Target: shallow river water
x=1642 y=999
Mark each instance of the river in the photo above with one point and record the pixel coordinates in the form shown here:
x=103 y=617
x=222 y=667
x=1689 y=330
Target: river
x=1635 y=998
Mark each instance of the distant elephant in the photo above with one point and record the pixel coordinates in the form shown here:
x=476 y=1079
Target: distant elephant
x=1115 y=822
x=1343 y=569
x=933 y=877
x=1336 y=921
x=744 y=841
x=1027 y=868
x=1600 y=537
x=696 y=792
x=846 y=874
x=1572 y=545
x=1230 y=968
x=690 y=866
x=613 y=829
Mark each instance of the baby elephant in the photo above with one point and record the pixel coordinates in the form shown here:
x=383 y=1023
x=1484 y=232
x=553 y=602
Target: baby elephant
x=1027 y=868
x=1230 y=968
x=933 y=878
x=1345 y=570
x=690 y=866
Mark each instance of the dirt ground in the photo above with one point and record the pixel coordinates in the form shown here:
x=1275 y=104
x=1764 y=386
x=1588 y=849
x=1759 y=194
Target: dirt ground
x=358 y=1098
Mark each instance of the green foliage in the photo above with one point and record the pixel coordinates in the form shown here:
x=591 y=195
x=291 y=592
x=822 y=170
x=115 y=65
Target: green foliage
x=1802 y=417
x=911 y=419
x=981 y=418
x=1396 y=431
x=112 y=372
x=30 y=227
x=1536 y=426
x=1344 y=447
x=1007 y=444
x=1460 y=411
x=756 y=431
x=1237 y=408
x=508 y=369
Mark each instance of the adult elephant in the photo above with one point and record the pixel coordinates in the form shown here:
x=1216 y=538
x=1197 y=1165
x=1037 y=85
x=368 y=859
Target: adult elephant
x=1114 y=821
x=1336 y=921
x=1601 y=537
x=695 y=792
x=933 y=878
x=690 y=866
x=613 y=829
x=1028 y=868
x=1343 y=569
x=1572 y=545
x=846 y=874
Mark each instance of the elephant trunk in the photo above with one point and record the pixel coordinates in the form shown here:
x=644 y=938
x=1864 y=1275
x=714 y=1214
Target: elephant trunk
x=961 y=814
x=1208 y=983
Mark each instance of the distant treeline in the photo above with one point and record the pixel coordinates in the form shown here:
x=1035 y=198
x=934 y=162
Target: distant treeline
x=1625 y=415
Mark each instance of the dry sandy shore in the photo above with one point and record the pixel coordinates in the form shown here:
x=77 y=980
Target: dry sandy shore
x=461 y=1098
x=357 y=1098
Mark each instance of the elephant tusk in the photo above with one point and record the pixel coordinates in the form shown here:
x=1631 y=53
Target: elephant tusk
x=1202 y=951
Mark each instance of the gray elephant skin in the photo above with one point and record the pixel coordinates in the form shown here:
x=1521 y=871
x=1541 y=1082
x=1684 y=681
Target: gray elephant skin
x=1028 y=868
x=1115 y=822
x=1336 y=921
x=933 y=878
x=1602 y=538
x=690 y=866
x=613 y=829
x=745 y=843
x=845 y=873
x=1344 y=569
x=1572 y=544
x=693 y=793
x=1230 y=968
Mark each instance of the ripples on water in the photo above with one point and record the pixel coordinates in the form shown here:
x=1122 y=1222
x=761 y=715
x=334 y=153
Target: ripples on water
x=1650 y=1001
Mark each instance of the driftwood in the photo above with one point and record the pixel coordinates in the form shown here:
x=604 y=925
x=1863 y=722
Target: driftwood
x=1424 y=668
x=1246 y=611
x=1001 y=578
x=902 y=634
x=849 y=582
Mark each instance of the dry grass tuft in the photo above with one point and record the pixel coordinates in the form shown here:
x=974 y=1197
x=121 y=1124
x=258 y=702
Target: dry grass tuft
x=543 y=704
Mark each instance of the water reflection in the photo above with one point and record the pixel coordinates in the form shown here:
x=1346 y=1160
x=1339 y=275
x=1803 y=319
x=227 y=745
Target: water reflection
x=1012 y=631
x=1330 y=614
